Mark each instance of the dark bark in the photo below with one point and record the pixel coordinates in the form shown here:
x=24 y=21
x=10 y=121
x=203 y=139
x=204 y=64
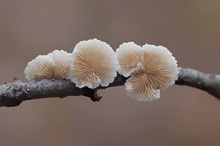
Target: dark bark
x=15 y=92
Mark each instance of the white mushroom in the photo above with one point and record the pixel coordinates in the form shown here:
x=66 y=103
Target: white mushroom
x=157 y=70
x=94 y=63
x=62 y=61
x=129 y=55
x=41 y=67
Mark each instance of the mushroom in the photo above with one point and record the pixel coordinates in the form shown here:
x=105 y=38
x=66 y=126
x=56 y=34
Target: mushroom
x=94 y=63
x=53 y=65
x=62 y=61
x=157 y=70
x=129 y=55
x=40 y=68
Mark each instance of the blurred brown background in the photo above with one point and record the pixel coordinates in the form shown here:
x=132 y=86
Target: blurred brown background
x=183 y=116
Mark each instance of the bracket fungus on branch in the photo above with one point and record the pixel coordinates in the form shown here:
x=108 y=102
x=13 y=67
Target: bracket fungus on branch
x=129 y=55
x=53 y=65
x=62 y=61
x=93 y=65
x=150 y=68
x=39 y=68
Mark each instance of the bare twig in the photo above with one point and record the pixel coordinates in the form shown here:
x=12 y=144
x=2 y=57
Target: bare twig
x=206 y=82
x=15 y=92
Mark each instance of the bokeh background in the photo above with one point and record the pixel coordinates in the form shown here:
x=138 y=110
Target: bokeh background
x=183 y=116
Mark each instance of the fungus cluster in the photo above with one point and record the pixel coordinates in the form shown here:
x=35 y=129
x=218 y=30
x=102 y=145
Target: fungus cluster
x=94 y=63
x=53 y=65
x=151 y=68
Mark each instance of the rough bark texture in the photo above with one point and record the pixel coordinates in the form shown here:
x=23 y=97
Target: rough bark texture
x=15 y=92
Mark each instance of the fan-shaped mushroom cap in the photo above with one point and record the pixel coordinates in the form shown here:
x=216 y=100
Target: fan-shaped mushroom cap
x=157 y=70
x=129 y=55
x=62 y=61
x=94 y=63
x=41 y=67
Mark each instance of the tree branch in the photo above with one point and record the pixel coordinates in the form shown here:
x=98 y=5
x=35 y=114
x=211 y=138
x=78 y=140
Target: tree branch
x=15 y=92
x=206 y=82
